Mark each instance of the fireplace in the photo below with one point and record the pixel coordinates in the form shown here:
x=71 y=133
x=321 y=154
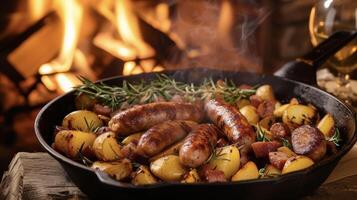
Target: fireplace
x=46 y=45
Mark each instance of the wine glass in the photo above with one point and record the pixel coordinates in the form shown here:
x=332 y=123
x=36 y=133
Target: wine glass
x=327 y=17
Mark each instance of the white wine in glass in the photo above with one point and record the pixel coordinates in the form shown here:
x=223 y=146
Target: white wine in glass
x=327 y=17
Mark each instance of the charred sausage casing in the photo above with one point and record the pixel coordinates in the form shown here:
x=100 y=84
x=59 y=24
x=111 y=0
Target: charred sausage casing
x=233 y=124
x=198 y=145
x=162 y=136
x=143 y=117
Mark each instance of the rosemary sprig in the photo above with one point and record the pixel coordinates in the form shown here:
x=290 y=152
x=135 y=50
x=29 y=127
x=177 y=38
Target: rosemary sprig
x=91 y=126
x=217 y=154
x=286 y=143
x=83 y=158
x=261 y=134
x=264 y=173
x=336 y=138
x=162 y=87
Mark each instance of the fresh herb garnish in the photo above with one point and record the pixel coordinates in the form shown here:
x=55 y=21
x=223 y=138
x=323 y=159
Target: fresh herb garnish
x=336 y=138
x=91 y=127
x=83 y=158
x=261 y=134
x=162 y=87
x=286 y=143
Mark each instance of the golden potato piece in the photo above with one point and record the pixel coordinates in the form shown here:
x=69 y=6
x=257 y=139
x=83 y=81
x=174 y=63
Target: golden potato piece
x=297 y=163
x=227 y=160
x=106 y=147
x=82 y=120
x=173 y=150
x=247 y=172
x=278 y=112
x=287 y=151
x=266 y=122
x=271 y=171
x=296 y=115
x=250 y=113
x=132 y=138
x=191 y=177
x=84 y=102
x=168 y=168
x=117 y=169
x=242 y=102
x=69 y=142
x=143 y=176
x=265 y=92
x=326 y=125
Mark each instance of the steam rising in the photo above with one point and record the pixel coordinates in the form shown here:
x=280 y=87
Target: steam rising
x=218 y=34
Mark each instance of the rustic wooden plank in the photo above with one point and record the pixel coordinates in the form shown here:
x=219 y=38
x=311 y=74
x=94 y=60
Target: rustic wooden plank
x=39 y=176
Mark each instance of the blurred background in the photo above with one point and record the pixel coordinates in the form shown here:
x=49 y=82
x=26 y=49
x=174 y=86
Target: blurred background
x=46 y=44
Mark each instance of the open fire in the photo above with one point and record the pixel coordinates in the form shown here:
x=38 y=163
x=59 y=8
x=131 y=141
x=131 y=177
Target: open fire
x=145 y=36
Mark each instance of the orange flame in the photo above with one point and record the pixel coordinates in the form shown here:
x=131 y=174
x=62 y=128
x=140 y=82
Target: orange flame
x=71 y=13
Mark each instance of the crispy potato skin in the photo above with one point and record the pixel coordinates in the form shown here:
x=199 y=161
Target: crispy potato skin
x=143 y=117
x=297 y=163
x=247 y=172
x=309 y=141
x=198 y=145
x=106 y=147
x=119 y=170
x=227 y=160
x=163 y=135
x=69 y=142
x=82 y=120
x=143 y=176
x=168 y=168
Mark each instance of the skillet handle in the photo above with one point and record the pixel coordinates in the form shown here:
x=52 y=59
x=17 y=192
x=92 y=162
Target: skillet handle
x=304 y=69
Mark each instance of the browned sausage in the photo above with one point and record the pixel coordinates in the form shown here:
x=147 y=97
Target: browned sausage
x=233 y=124
x=266 y=109
x=143 y=117
x=280 y=130
x=278 y=159
x=255 y=100
x=309 y=141
x=162 y=136
x=198 y=145
x=262 y=149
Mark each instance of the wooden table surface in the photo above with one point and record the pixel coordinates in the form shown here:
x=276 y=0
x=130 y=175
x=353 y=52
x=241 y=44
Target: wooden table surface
x=39 y=176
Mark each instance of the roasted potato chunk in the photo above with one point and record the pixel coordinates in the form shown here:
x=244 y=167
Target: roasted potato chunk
x=278 y=112
x=173 y=150
x=132 y=138
x=297 y=163
x=168 y=168
x=286 y=150
x=250 y=113
x=247 y=172
x=82 y=120
x=191 y=177
x=326 y=125
x=69 y=142
x=84 y=102
x=143 y=176
x=106 y=147
x=227 y=160
x=265 y=92
x=296 y=115
x=270 y=171
x=119 y=170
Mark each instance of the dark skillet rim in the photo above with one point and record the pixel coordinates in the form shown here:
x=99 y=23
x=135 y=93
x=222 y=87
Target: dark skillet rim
x=346 y=147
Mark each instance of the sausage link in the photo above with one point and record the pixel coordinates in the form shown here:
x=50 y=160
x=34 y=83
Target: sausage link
x=309 y=141
x=198 y=145
x=162 y=136
x=233 y=124
x=143 y=117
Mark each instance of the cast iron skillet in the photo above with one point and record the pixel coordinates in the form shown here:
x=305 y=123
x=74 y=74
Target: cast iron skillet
x=98 y=185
